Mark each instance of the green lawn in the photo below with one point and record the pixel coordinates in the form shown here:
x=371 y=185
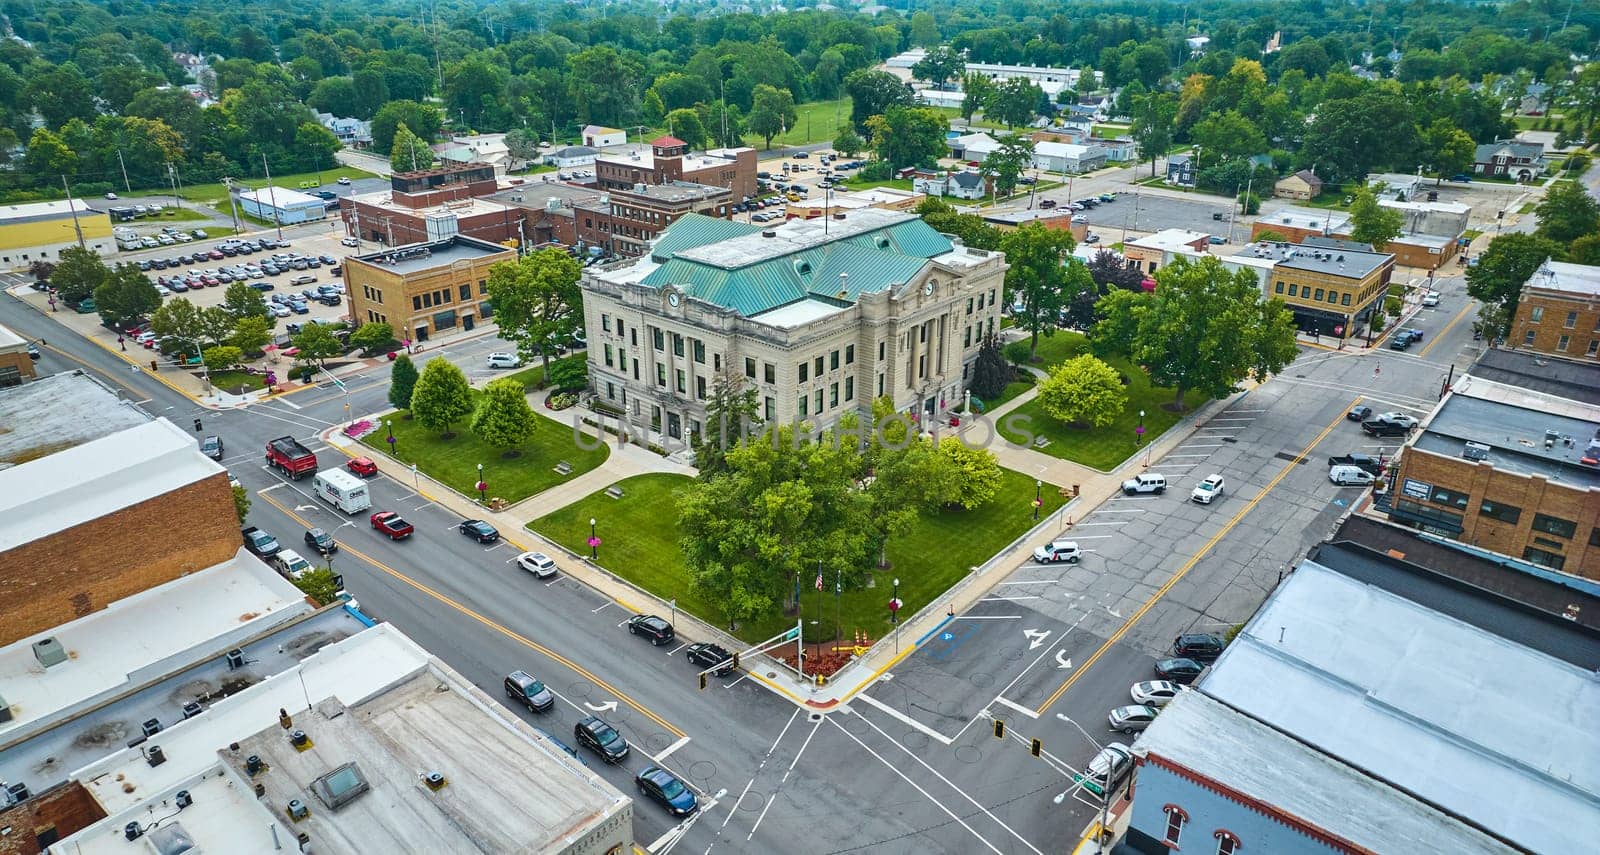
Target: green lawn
x=818 y=121
x=1099 y=448
x=209 y=193
x=455 y=461
x=234 y=381
x=1023 y=383
x=532 y=377
x=638 y=545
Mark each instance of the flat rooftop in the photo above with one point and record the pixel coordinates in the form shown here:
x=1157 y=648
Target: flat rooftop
x=1198 y=735
x=1580 y=279
x=1171 y=240
x=797 y=314
x=1469 y=721
x=34 y=211
x=414 y=257
x=57 y=412
x=281 y=197
x=1563 y=378
x=129 y=643
x=677 y=191
x=1327 y=221
x=1513 y=423
x=1349 y=263
x=1013 y=218
x=84 y=482
x=643 y=156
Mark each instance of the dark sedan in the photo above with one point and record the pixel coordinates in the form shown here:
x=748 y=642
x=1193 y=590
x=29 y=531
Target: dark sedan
x=321 y=542
x=709 y=656
x=1179 y=670
x=664 y=788
x=479 y=530
x=1359 y=413
x=601 y=738
x=654 y=628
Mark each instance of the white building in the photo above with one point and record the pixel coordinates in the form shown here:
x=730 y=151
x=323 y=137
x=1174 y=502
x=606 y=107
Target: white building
x=964 y=184
x=600 y=136
x=1050 y=79
x=1067 y=157
x=571 y=156
x=282 y=206
x=486 y=148
x=819 y=317
x=39 y=231
x=972 y=146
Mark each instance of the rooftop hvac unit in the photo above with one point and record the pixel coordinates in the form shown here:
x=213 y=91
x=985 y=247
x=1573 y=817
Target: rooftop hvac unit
x=49 y=652
x=552 y=204
x=235 y=659
x=1475 y=451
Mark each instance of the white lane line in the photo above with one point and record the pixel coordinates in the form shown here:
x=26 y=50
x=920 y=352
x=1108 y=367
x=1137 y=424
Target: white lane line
x=1109 y=522
x=742 y=794
x=1009 y=599
x=145 y=401
x=1172 y=456
x=424 y=507
x=803 y=745
x=674 y=651
x=1094 y=537
x=1204 y=444
x=1122 y=510
x=1018 y=707
x=602 y=605
x=288 y=403
x=775 y=742
x=904 y=719
x=737 y=682
x=682 y=741
x=989 y=617
x=770 y=799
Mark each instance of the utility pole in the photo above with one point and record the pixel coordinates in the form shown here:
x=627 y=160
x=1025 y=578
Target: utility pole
x=233 y=202
x=125 y=184
x=73 y=207
x=272 y=196
x=172 y=181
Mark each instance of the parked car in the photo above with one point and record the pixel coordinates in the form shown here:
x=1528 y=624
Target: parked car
x=1047 y=204
x=529 y=691
x=321 y=542
x=390 y=523
x=1058 y=551
x=1207 y=490
x=500 y=359
x=537 y=563
x=1350 y=476
x=212 y=447
x=1179 y=670
x=1200 y=646
x=479 y=530
x=1430 y=299
x=601 y=738
x=1359 y=413
x=1155 y=693
x=1398 y=418
x=1107 y=770
x=1462 y=177
x=1132 y=718
x=1360 y=461
x=1379 y=427
x=664 y=788
x=709 y=656
x=349 y=241
x=654 y=628
x=345 y=181
x=1401 y=340
x=362 y=466
x=1148 y=482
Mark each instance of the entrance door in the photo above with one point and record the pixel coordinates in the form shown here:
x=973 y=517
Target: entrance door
x=674 y=426
x=466 y=323
x=422 y=332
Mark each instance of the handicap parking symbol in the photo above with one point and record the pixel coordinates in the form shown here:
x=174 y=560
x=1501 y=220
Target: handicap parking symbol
x=947 y=636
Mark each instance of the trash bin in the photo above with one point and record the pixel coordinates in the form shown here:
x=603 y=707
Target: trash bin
x=305 y=376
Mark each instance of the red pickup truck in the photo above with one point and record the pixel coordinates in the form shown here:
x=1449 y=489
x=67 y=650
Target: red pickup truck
x=288 y=456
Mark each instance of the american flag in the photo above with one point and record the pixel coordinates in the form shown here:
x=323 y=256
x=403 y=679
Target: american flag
x=819 y=580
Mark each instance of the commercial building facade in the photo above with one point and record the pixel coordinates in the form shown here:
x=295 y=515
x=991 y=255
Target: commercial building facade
x=1559 y=312
x=16 y=367
x=39 y=231
x=282 y=206
x=424 y=289
x=401 y=215
x=818 y=322
x=1330 y=291
x=623 y=222
x=667 y=159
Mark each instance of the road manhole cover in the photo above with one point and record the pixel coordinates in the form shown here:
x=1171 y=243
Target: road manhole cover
x=702 y=770
x=915 y=739
x=981 y=679
x=968 y=754
x=752 y=801
x=580 y=688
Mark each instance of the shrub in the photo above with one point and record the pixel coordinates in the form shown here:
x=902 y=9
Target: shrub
x=1018 y=352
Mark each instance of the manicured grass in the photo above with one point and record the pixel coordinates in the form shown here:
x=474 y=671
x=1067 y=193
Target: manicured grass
x=816 y=122
x=455 y=461
x=208 y=193
x=1527 y=208
x=640 y=544
x=532 y=377
x=234 y=381
x=1099 y=448
x=1023 y=383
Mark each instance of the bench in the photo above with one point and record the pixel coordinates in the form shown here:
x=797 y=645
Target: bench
x=1041 y=442
x=614 y=492
x=563 y=468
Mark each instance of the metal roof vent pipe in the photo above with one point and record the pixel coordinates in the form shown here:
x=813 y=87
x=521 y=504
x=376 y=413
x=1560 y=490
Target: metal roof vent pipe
x=838 y=215
x=769 y=233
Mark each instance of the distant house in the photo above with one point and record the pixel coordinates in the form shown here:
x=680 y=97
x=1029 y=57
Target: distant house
x=600 y=136
x=1121 y=149
x=965 y=184
x=570 y=156
x=354 y=133
x=972 y=146
x=484 y=148
x=1180 y=169
x=1302 y=185
x=1067 y=157
x=1509 y=159
x=1197 y=44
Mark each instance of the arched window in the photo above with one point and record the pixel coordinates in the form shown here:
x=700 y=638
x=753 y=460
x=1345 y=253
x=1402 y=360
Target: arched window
x=1227 y=842
x=1177 y=817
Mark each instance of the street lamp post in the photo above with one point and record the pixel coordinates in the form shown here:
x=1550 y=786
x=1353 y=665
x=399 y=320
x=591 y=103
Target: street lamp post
x=1038 y=498
x=894 y=614
x=1105 y=793
x=389 y=424
x=483 y=489
x=594 y=542
x=1138 y=432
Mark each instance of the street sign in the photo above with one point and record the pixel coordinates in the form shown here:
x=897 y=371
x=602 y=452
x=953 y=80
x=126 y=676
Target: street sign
x=895 y=604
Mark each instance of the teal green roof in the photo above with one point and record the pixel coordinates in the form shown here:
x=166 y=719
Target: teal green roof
x=875 y=258
x=692 y=230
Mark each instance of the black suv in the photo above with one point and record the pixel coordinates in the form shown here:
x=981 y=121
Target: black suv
x=706 y=655
x=528 y=691
x=601 y=738
x=1201 y=647
x=321 y=542
x=657 y=630
x=1365 y=462
x=1383 y=427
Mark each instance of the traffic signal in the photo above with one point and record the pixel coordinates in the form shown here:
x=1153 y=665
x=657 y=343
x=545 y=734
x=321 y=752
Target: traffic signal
x=702 y=681
x=1037 y=748
x=736 y=660
x=197 y=424
x=999 y=729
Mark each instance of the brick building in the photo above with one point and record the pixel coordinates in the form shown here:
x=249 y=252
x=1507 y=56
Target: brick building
x=546 y=209
x=399 y=215
x=1147 y=254
x=667 y=159
x=1509 y=467
x=16 y=366
x=623 y=222
x=1559 y=312
x=1331 y=291
x=1296 y=224
x=425 y=288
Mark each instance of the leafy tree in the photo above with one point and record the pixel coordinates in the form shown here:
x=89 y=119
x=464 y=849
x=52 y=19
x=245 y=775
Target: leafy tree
x=1037 y=273
x=1585 y=250
x=317 y=343
x=1228 y=134
x=504 y=418
x=177 y=317
x=1351 y=136
x=1249 y=202
x=1372 y=223
x=1504 y=267
x=251 y=334
x=424 y=120
x=216 y=325
x=1152 y=126
x=1110 y=270
x=373 y=337
x=908 y=136
x=1567 y=212
x=1007 y=162
x=241 y=503
x=60 y=93
x=569 y=374
x=911 y=478
x=977 y=472
x=319 y=143
x=723 y=122
x=606 y=85
x=409 y=154
x=873 y=93
x=941 y=216
x=924 y=30
x=938 y=65
x=241 y=301
x=1203 y=328
x=320 y=584
x=1272 y=236
x=1449 y=149
x=1083 y=391
x=49 y=156
x=402 y=380
x=1015 y=102
x=335 y=95
x=441 y=397
x=990 y=371
x=537 y=302
x=126 y=296
x=221 y=357
x=980 y=91
x=371 y=92
x=523 y=144
x=78 y=274
x=684 y=123
x=1079 y=295
x=849 y=143
x=41 y=270
x=733 y=410
x=771 y=112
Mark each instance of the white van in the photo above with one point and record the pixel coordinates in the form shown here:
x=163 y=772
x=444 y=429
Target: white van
x=1347 y=476
x=342 y=490
x=291 y=564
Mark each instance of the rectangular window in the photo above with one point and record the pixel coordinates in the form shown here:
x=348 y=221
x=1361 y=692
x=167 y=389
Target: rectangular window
x=1294 y=290
x=750 y=368
x=699 y=351
x=466 y=292
x=633 y=334
x=833 y=361
x=683 y=383
x=1318 y=298
x=1536 y=314
x=608 y=356
x=804 y=370
x=1594 y=537
x=1344 y=299
x=833 y=395
x=677 y=345
x=1528 y=339
x=1561 y=343
x=1448 y=497
x=817 y=366
x=771 y=408
x=1279 y=288
x=619 y=326
x=1543 y=558
x=416 y=304
x=661 y=375
x=1501 y=512
x=636 y=369
x=880 y=385
x=716 y=362
x=880 y=351
x=969 y=305
x=966 y=338
x=991 y=296
x=849 y=388
x=700 y=388
x=611 y=391
x=803 y=403
x=769 y=372
x=1572 y=320
x=660 y=340
x=1554 y=525
x=605 y=322
x=819 y=400
x=1594 y=346
x=849 y=354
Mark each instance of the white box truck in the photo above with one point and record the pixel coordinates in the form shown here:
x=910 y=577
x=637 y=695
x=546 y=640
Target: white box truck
x=342 y=490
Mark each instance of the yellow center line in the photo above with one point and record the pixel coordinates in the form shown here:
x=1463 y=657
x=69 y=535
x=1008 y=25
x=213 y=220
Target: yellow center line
x=1188 y=565
x=503 y=630
x=1447 y=327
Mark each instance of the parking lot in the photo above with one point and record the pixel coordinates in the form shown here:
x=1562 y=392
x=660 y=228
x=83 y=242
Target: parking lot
x=1142 y=213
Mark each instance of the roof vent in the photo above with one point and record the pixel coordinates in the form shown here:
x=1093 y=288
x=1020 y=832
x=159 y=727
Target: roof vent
x=838 y=215
x=1341 y=259
x=1475 y=451
x=49 y=652
x=769 y=233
